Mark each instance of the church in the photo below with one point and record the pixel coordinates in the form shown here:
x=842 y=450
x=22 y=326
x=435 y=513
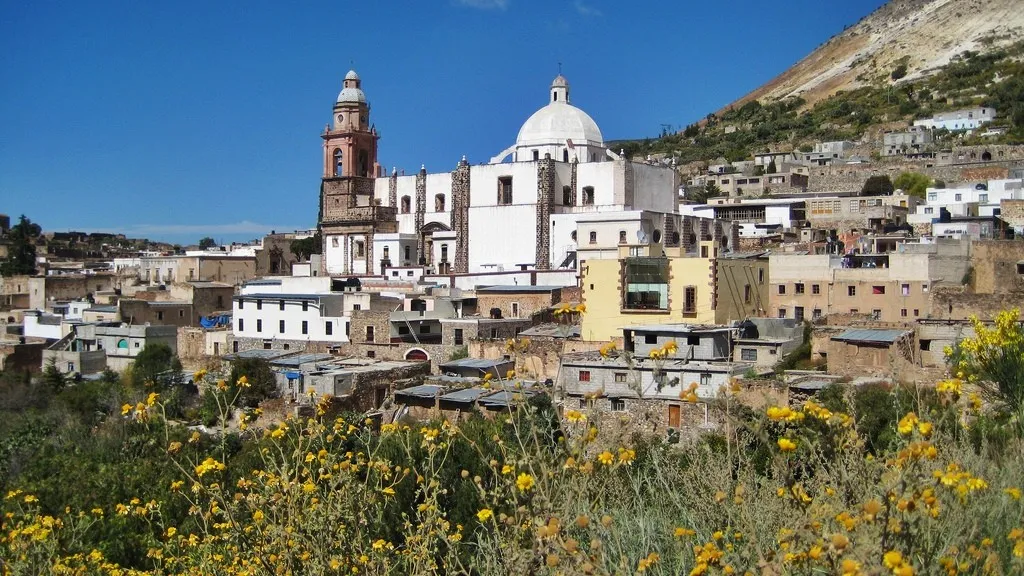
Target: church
x=522 y=210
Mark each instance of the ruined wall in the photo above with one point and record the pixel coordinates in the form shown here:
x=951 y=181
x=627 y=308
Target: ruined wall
x=995 y=266
x=529 y=302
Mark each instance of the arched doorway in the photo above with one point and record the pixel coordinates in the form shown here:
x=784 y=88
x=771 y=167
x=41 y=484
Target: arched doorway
x=417 y=355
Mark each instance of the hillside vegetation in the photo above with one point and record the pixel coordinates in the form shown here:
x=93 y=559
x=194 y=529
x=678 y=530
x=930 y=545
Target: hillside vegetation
x=994 y=79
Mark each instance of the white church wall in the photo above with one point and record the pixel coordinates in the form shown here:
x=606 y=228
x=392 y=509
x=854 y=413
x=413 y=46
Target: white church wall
x=483 y=183
x=358 y=261
x=439 y=184
x=562 y=242
x=502 y=235
x=334 y=248
x=406 y=186
x=654 y=188
x=381 y=187
x=601 y=176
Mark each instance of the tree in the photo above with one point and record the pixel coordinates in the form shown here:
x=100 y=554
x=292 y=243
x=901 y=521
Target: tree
x=21 y=255
x=156 y=368
x=262 y=383
x=306 y=247
x=913 y=183
x=207 y=242
x=772 y=168
x=877 y=185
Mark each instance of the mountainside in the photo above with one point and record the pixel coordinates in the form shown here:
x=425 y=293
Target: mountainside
x=909 y=59
x=922 y=35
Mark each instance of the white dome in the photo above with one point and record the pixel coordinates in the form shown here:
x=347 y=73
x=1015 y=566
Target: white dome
x=557 y=122
x=352 y=95
x=351 y=75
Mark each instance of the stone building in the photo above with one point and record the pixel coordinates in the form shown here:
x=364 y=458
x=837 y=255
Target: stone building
x=461 y=221
x=516 y=302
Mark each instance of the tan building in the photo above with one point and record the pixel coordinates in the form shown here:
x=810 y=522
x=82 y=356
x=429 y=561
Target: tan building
x=231 y=270
x=741 y=286
x=44 y=291
x=516 y=301
x=891 y=287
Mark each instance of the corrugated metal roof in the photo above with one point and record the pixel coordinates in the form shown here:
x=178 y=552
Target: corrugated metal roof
x=301 y=359
x=263 y=282
x=866 y=335
x=422 y=391
x=466 y=395
x=552 y=330
x=506 y=398
x=257 y=353
x=481 y=363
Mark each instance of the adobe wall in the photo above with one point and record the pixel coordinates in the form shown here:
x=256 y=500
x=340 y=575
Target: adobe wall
x=995 y=266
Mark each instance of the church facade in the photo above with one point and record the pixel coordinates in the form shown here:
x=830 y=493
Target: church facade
x=519 y=211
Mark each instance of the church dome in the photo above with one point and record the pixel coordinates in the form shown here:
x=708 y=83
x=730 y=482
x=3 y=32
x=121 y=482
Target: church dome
x=351 y=93
x=558 y=122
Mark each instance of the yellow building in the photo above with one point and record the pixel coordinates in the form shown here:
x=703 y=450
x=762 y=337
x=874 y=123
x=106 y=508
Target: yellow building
x=648 y=284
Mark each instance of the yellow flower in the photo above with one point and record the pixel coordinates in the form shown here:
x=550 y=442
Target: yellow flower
x=507 y=469
x=1013 y=492
x=126 y=409
x=379 y=544
x=257 y=515
x=243 y=381
x=786 y=445
x=510 y=374
x=581 y=308
x=925 y=428
x=575 y=416
x=524 y=482
x=488 y=376
x=892 y=559
x=484 y=515
x=683 y=532
x=850 y=567
x=198 y=375
x=606 y=458
x=389 y=491
x=907 y=423
x=171 y=532
x=626 y=455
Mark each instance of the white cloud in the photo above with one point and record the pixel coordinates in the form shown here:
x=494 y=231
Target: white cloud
x=156 y=231
x=586 y=10
x=483 y=4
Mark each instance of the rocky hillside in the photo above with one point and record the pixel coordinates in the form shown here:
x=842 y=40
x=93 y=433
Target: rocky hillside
x=921 y=36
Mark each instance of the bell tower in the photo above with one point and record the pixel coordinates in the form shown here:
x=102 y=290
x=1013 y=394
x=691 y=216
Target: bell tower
x=349 y=215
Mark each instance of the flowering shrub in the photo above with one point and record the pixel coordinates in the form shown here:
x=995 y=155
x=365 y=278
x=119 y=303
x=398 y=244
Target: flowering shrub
x=787 y=490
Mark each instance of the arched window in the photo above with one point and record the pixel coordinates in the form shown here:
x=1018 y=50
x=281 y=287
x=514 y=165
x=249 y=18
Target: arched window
x=656 y=236
x=122 y=343
x=536 y=155
x=566 y=196
x=593 y=237
x=339 y=170
x=588 y=195
x=408 y=252
x=360 y=248
x=406 y=204
x=986 y=156
x=622 y=236
x=565 y=155
x=364 y=163
x=439 y=203
x=386 y=252
x=573 y=235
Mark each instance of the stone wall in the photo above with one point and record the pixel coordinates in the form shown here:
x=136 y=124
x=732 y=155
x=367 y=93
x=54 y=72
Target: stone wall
x=851 y=177
x=545 y=198
x=380 y=320
x=529 y=302
x=540 y=359
x=957 y=303
x=1012 y=212
x=15 y=356
x=460 y=216
x=995 y=266
x=136 y=311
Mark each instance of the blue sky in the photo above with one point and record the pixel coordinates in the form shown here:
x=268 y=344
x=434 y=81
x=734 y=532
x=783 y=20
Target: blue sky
x=177 y=120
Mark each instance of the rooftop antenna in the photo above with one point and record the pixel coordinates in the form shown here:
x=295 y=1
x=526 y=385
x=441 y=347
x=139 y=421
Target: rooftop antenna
x=559 y=68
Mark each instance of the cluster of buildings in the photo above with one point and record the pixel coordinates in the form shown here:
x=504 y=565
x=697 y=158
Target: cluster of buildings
x=533 y=261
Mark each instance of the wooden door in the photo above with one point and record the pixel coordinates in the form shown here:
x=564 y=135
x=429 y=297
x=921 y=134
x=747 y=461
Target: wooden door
x=674 y=415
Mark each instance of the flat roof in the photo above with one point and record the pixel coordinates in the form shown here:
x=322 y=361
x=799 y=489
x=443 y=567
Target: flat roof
x=466 y=395
x=681 y=327
x=552 y=330
x=279 y=296
x=101 y=309
x=257 y=353
x=865 y=335
x=517 y=288
x=421 y=391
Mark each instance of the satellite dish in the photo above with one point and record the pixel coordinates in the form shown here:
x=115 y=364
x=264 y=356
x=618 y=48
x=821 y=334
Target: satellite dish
x=641 y=238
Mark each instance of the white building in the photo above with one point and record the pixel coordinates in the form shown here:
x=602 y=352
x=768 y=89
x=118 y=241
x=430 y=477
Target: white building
x=975 y=199
x=301 y=309
x=755 y=217
x=966 y=119
x=519 y=211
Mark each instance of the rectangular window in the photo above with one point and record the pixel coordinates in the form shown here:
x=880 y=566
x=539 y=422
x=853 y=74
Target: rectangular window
x=259 y=325
x=958 y=197
x=369 y=333
x=815 y=288
x=160 y=315
x=798 y=313
x=851 y=290
x=782 y=288
x=305 y=327
x=903 y=312
x=983 y=198
x=515 y=309
x=584 y=375
x=494 y=333
x=816 y=313
x=760 y=275
x=705 y=379
x=746 y=294
x=748 y=354
x=305 y=306
x=505 y=190
x=618 y=405
x=690 y=300
x=878 y=289
x=799 y=288
x=620 y=377
x=241 y=304
x=905 y=289
x=357 y=306
x=259 y=304
x=280 y=326
x=645 y=283
x=241 y=325
x=181 y=313
x=876 y=314
x=424 y=328
x=782 y=312
x=403 y=330
x=458 y=336
x=915 y=312
x=650 y=338
x=282 y=304
x=328 y=328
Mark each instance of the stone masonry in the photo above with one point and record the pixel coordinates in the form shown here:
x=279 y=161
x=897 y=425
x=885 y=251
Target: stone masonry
x=545 y=194
x=421 y=208
x=460 y=216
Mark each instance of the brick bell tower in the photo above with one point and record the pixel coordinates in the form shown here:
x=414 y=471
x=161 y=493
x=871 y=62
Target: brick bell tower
x=349 y=215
